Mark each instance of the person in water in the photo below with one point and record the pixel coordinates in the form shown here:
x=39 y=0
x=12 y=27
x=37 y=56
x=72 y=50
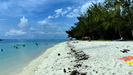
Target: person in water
x=36 y=44
x=1 y=50
x=23 y=45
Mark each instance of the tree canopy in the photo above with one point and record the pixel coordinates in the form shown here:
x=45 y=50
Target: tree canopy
x=109 y=20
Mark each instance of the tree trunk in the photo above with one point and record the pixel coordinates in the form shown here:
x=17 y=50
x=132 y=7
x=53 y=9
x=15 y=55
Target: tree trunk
x=102 y=37
x=93 y=37
x=120 y=34
x=132 y=32
x=129 y=16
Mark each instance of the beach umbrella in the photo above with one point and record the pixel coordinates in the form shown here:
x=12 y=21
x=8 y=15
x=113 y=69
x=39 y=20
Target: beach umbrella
x=86 y=37
x=83 y=38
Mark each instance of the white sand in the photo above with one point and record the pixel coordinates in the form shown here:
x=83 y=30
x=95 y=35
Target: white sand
x=102 y=59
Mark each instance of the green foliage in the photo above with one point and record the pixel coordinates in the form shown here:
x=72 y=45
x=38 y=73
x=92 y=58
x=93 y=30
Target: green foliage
x=109 y=20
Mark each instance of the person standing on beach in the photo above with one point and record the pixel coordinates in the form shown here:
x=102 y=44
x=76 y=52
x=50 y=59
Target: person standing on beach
x=89 y=38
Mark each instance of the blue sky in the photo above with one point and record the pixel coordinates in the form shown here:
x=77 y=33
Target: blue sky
x=39 y=19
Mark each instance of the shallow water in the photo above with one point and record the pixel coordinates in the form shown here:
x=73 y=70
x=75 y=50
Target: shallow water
x=15 y=54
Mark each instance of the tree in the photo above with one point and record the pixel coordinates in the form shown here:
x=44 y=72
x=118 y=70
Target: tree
x=108 y=20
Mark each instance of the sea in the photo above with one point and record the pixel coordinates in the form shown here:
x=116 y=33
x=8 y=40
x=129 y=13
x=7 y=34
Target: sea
x=15 y=54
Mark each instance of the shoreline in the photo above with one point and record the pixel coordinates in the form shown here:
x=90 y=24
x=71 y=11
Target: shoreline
x=31 y=67
x=82 y=57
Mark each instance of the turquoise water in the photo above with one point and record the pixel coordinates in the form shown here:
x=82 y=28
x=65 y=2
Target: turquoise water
x=15 y=54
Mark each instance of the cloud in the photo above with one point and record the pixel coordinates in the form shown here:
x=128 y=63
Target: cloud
x=43 y=22
x=23 y=22
x=32 y=29
x=49 y=17
x=36 y=9
x=84 y=7
x=56 y=32
x=49 y=26
x=14 y=32
x=58 y=11
x=81 y=9
x=35 y=32
x=74 y=13
x=40 y=32
x=64 y=12
x=76 y=10
x=69 y=8
x=61 y=11
x=71 y=12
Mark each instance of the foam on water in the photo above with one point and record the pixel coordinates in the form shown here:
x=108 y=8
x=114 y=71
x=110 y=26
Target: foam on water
x=18 y=53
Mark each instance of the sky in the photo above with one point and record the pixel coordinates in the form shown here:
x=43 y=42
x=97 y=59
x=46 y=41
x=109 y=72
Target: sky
x=39 y=19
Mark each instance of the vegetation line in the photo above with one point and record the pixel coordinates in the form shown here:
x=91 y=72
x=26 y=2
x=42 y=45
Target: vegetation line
x=109 y=20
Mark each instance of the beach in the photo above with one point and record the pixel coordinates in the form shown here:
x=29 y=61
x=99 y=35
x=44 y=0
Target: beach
x=83 y=58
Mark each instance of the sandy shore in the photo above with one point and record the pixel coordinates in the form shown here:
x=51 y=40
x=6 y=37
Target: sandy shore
x=83 y=58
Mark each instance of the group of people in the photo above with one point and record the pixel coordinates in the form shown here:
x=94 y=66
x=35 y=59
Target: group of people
x=16 y=46
x=83 y=38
